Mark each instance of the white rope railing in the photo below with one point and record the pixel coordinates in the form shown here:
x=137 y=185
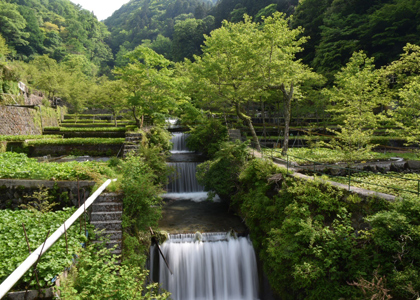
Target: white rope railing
x=10 y=281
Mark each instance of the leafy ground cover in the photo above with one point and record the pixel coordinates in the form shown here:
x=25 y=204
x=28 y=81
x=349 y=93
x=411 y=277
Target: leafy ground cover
x=390 y=183
x=82 y=141
x=325 y=155
x=19 y=166
x=21 y=138
x=13 y=248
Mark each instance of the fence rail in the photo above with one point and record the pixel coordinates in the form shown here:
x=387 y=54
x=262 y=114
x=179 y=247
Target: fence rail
x=349 y=172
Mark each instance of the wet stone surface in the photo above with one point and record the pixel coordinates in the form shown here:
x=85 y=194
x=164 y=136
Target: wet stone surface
x=185 y=216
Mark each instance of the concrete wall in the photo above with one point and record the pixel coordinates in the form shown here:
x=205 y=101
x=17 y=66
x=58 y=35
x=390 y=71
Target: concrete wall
x=13 y=192
x=24 y=120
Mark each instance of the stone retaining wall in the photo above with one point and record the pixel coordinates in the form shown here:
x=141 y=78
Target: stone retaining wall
x=13 y=192
x=25 y=120
x=75 y=149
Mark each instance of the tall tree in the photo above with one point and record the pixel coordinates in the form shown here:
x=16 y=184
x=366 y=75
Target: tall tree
x=149 y=85
x=357 y=92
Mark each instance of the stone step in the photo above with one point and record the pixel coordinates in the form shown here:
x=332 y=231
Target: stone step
x=107 y=206
x=111 y=244
x=105 y=216
x=110 y=234
x=107 y=225
x=109 y=197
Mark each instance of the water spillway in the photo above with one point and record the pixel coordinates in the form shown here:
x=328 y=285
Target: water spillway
x=183 y=180
x=214 y=267
x=183 y=183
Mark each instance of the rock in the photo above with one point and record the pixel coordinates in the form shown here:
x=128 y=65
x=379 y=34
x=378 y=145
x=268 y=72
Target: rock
x=412 y=165
x=396 y=168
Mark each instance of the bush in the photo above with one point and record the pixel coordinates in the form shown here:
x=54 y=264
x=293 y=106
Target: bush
x=221 y=174
x=97 y=275
x=207 y=137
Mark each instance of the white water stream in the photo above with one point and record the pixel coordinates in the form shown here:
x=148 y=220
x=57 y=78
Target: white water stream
x=218 y=267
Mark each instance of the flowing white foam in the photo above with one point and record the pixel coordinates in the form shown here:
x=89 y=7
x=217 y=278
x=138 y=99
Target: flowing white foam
x=218 y=269
x=195 y=197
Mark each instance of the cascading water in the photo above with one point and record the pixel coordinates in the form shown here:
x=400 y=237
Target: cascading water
x=209 y=267
x=184 y=179
x=183 y=183
x=179 y=141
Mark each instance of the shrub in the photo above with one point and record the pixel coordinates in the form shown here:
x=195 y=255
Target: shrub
x=207 y=137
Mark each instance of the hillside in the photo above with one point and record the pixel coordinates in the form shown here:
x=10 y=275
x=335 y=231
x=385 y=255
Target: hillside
x=54 y=27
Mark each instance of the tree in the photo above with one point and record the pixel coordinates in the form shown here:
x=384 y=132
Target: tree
x=357 y=92
x=12 y=25
x=109 y=95
x=150 y=87
x=276 y=67
x=404 y=84
x=219 y=79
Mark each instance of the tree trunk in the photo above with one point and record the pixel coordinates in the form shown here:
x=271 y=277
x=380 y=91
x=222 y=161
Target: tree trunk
x=263 y=116
x=287 y=96
x=138 y=124
x=248 y=121
x=114 y=114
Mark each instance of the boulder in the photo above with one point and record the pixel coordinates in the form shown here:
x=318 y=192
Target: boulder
x=413 y=165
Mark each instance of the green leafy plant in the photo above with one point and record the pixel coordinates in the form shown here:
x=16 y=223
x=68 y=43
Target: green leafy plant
x=207 y=137
x=97 y=275
x=14 y=249
x=41 y=201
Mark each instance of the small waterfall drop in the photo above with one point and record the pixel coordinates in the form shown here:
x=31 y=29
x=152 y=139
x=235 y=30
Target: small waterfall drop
x=184 y=179
x=183 y=184
x=179 y=141
x=215 y=266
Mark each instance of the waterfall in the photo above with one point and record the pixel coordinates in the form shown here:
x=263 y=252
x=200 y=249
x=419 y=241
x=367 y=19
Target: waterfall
x=179 y=141
x=184 y=179
x=209 y=267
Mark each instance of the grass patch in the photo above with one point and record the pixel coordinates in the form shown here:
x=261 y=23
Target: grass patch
x=92 y=129
x=391 y=183
x=21 y=138
x=324 y=155
x=81 y=141
x=19 y=166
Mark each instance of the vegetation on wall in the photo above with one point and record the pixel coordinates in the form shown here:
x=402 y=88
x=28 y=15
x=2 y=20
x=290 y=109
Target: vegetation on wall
x=319 y=242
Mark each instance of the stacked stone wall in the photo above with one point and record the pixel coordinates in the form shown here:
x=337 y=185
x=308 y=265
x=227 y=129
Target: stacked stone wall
x=14 y=193
x=24 y=120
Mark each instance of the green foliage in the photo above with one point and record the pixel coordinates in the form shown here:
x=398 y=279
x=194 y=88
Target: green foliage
x=73 y=141
x=220 y=175
x=159 y=137
x=207 y=137
x=14 y=249
x=391 y=183
x=357 y=93
x=141 y=195
x=41 y=201
x=87 y=129
x=21 y=138
x=311 y=245
x=149 y=85
x=98 y=275
x=18 y=165
x=325 y=155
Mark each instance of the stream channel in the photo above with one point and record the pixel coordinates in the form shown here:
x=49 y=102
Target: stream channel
x=208 y=249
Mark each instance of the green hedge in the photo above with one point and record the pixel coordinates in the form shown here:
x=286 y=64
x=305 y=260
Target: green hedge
x=19 y=166
x=21 y=138
x=73 y=129
x=82 y=141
